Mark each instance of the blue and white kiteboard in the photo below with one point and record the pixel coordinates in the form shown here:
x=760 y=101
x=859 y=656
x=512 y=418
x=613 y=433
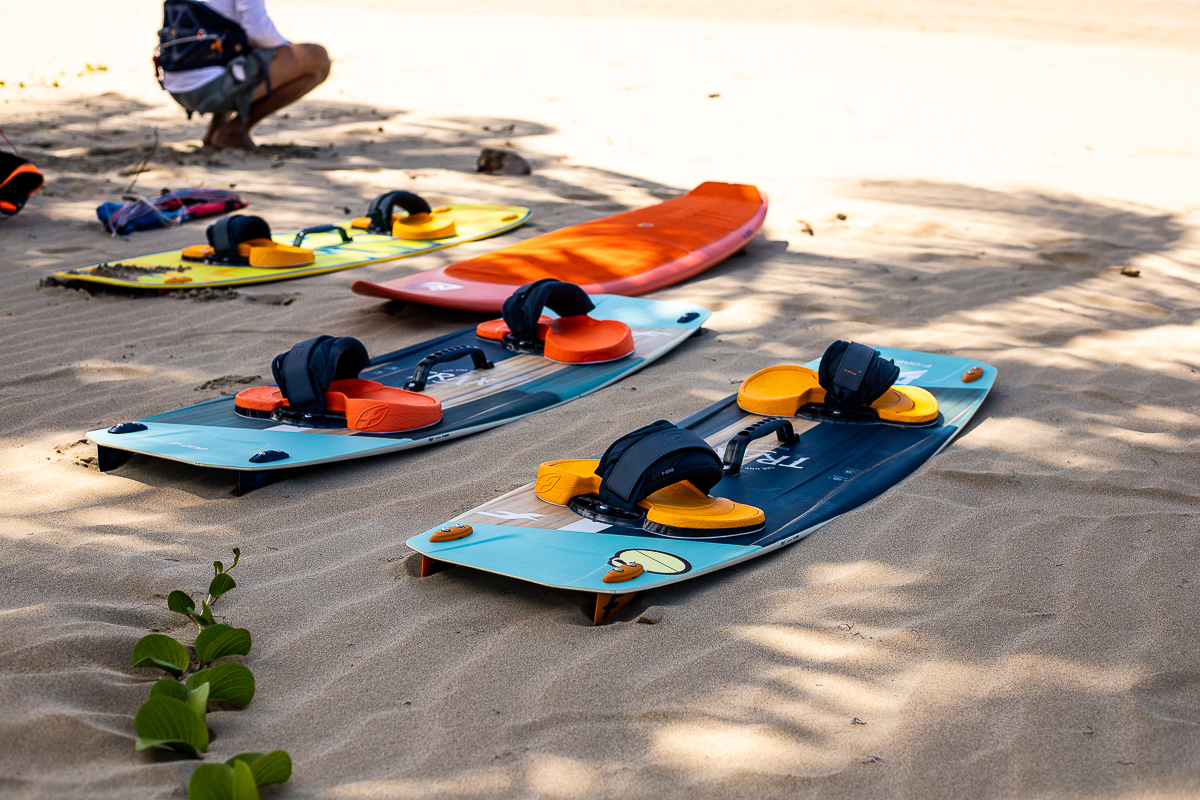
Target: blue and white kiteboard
x=213 y=434
x=833 y=467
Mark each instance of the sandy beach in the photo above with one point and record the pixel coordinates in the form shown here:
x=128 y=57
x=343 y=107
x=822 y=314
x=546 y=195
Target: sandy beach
x=1008 y=181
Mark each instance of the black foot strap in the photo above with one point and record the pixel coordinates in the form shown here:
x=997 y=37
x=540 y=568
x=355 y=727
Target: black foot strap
x=306 y=371
x=524 y=307
x=380 y=210
x=652 y=458
x=854 y=375
x=228 y=232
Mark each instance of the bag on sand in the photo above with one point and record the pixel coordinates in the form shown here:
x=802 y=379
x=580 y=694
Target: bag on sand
x=167 y=208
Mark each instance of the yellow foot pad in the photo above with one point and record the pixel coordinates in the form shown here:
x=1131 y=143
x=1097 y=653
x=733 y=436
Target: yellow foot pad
x=788 y=390
x=421 y=221
x=416 y=226
x=656 y=480
x=682 y=507
x=245 y=241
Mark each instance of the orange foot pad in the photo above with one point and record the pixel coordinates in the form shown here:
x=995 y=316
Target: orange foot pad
x=496 y=329
x=368 y=406
x=573 y=340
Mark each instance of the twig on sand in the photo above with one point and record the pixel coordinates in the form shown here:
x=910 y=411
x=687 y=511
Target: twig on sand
x=142 y=167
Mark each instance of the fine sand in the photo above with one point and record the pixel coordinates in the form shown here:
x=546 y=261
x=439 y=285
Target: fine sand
x=1009 y=181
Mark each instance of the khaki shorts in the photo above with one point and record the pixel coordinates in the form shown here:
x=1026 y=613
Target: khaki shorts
x=233 y=89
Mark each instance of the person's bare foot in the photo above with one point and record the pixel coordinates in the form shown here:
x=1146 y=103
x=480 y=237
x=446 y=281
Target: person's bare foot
x=217 y=122
x=230 y=136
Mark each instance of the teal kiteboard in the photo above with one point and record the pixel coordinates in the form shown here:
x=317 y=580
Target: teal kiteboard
x=793 y=450
x=444 y=388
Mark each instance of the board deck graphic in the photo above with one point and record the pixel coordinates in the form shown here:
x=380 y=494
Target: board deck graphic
x=628 y=254
x=833 y=468
x=168 y=270
x=212 y=434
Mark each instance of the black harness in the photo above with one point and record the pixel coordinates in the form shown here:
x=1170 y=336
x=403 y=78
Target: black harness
x=194 y=36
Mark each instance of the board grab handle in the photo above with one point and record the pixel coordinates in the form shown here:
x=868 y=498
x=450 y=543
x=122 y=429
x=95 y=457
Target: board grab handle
x=300 y=234
x=735 y=451
x=421 y=373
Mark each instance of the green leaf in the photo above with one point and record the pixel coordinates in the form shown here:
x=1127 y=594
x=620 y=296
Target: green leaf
x=274 y=767
x=203 y=618
x=220 y=640
x=237 y=553
x=180 y=602
x=244 y=787
x=249 y=758
x=169 y=687
x=157 y=650
x=166 y=721
x=197 y=700
x=232 y=683
x=232 y=780
x=218 y=568
x=221 y=583
x=211 y=782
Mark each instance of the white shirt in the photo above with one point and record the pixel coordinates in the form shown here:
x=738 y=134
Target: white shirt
x=252 y=16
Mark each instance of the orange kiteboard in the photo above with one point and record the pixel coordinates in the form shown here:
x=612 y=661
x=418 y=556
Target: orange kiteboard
x=627 y=254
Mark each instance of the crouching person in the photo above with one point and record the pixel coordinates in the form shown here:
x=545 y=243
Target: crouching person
x=225 y=58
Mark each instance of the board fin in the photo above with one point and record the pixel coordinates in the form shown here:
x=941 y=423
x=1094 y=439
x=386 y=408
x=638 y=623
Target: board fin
x=109 y=458
x=607 y=606
x=249 y=480
x=431 y=565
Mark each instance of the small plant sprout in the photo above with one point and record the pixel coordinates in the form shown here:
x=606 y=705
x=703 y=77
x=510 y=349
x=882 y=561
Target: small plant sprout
x=175 y=713
x=240 y=777
x=182 y=603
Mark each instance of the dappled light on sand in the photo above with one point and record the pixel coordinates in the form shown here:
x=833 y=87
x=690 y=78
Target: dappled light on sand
x=717 y=748
x=1001 y=182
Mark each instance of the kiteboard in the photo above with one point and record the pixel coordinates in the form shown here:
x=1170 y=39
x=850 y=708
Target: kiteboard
x=799 y=463
x=628 y=254
x=478 y=382
x=380 y=236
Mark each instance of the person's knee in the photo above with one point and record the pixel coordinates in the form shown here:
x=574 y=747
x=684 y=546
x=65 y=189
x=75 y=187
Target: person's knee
x=316 y=58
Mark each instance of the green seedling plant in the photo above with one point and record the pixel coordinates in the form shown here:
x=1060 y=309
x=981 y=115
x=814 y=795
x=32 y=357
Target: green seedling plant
x=174 y=714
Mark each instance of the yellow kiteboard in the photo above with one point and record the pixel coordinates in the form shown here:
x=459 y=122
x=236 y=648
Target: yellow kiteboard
x=380 y=236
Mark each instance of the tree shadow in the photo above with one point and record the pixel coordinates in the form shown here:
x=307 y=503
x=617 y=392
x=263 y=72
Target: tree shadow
x=1007 y=613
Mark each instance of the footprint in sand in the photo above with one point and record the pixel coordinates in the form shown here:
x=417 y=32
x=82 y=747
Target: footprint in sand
x=104 y=372
x=1171 y=696
x=1075 y=259
x=67 y=248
